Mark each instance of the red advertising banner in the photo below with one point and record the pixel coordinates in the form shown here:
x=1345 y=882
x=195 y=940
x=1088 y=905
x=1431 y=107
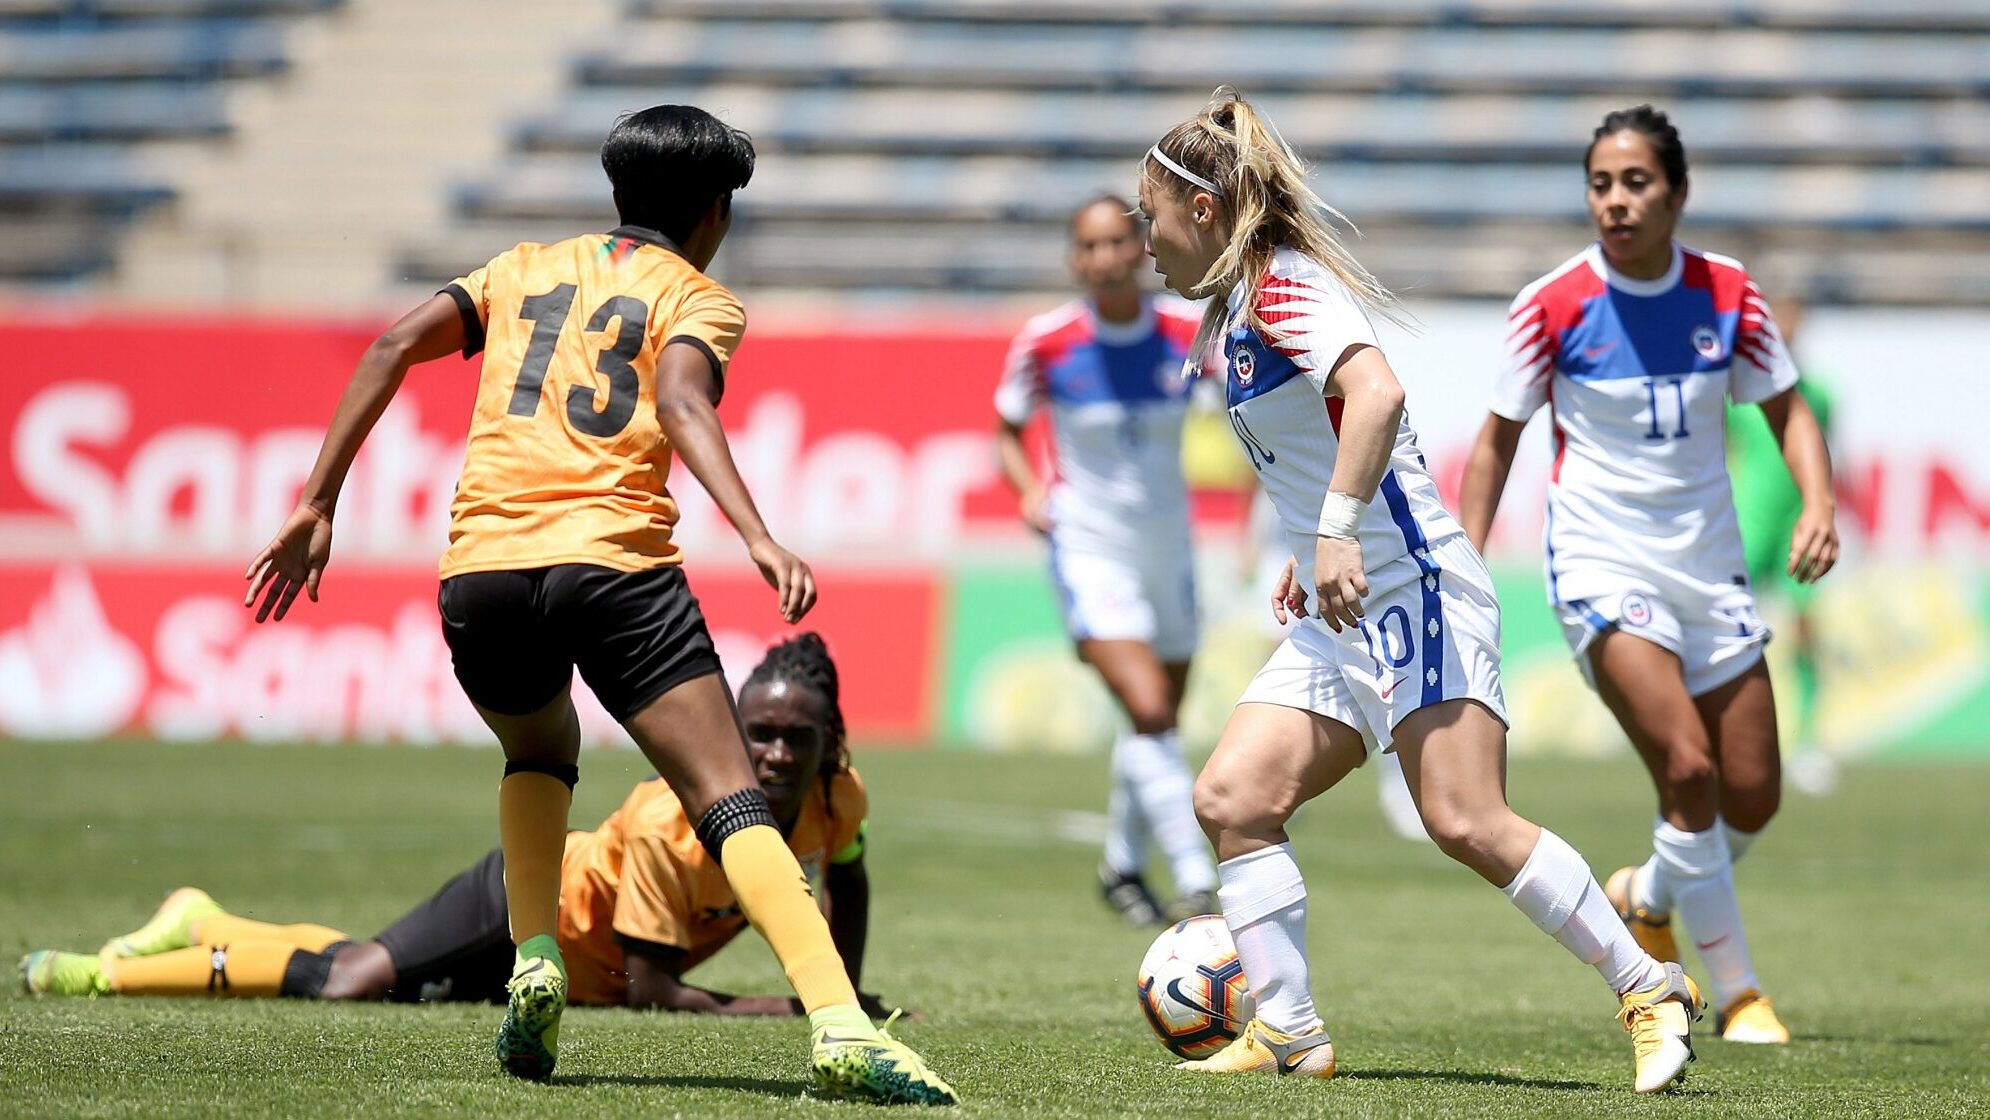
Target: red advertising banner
x=168 y=651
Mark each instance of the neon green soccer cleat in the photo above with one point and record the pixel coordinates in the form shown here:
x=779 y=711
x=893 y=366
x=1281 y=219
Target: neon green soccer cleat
x=47 y=972
x=869 y=1064
x=528 y=1041
x=171 y=926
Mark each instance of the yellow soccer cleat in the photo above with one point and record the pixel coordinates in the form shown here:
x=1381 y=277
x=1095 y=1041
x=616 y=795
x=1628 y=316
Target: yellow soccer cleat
x=1260 y=1049
x=1749 y=1017
x=528 y=1041
x=171 y=926
x=1659 y=1021
x=866 y=1063
x=1651 y=930
x=47 y=972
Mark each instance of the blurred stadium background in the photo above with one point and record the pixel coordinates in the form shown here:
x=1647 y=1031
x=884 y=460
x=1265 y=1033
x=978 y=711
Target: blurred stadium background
x=208 y=206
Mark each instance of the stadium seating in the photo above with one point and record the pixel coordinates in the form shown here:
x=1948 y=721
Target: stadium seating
x=86 y=85
x=935 y=145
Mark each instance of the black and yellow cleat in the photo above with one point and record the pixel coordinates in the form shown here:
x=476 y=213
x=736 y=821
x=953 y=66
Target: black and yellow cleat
x=866 y=1063
x=528 y=1040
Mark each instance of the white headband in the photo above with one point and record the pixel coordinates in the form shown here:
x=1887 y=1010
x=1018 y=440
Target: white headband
x=1158 y=156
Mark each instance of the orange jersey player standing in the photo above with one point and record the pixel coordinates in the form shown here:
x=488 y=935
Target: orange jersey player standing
x=603 y=354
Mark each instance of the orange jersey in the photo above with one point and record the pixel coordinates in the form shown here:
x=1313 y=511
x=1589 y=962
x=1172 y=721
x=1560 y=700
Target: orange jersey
x=644 y=875
x=567 y=461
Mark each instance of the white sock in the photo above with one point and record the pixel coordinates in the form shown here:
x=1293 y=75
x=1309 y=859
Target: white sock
x=1126 y=829
x=1557 y=893
x=1650 y=890
x=1153 y=770
x=1738 y=842
x=1264 y=904
x=1701 y=872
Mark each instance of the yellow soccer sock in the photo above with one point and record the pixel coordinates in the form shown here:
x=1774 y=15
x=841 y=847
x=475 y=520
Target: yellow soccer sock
x=532 y=825
x=225 y=929
x=773 y=894
x=244 y=969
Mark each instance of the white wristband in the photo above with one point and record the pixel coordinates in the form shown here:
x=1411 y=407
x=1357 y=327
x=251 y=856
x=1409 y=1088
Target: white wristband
x=1340 y=515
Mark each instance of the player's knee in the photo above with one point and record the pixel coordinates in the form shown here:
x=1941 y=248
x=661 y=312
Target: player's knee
x=1151 y=715
x=1690 y=770
x=1457 y=831
x=358 y=972
x=1226 y=807
x=1751 y=808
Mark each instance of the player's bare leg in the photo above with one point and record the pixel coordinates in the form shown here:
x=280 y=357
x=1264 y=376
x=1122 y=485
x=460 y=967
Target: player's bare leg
x=1270 y=760
x=1151 y=786
x=693 y=737
x=1454 y=758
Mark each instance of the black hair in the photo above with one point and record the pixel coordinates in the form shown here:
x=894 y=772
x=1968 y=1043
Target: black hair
x=804 y=660
x=669 y=163
x=1118 y=202
x=1655 y=127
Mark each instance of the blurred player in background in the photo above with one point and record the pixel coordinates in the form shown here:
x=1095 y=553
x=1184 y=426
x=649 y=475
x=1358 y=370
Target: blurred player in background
x=1637 y=343
x=1109 y=368
x=604 y=354
x=642 y=902
x=1768 y=506
x=1401 y=647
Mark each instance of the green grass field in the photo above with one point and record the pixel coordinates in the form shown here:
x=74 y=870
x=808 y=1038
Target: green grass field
x=1867 y=910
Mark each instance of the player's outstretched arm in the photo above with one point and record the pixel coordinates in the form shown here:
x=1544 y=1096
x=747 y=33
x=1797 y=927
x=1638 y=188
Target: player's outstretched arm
x=685 y=381
x=1814 y=541
x=295 y=558
x=1486 y=472
x=848 y=886
x=659 y=985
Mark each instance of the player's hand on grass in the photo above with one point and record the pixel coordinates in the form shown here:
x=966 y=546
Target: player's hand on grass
x=1813 y=545
x=1339 y=583
x=294 y=560
x=1035 y=509
x=1288 y=598
x=787 y=575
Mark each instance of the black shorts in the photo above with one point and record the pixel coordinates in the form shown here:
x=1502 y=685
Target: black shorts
x=516 y=636
x=457 y=944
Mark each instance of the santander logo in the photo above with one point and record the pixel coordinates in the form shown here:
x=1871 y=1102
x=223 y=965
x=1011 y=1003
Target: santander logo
x=66 y=672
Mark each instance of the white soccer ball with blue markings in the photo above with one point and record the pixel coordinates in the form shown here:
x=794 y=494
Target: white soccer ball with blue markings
x=1192 y=989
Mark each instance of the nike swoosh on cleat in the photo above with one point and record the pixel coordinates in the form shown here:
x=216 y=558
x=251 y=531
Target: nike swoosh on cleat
x=1175 y=993
x=1288 y=1060
x=832 y=1040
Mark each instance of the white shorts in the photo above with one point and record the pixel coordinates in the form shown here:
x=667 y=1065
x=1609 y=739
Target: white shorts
x=1711 y=626
x=1148 y=598
x=1431 y=634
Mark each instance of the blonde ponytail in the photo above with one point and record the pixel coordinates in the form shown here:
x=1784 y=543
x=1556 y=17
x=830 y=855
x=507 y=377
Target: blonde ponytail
x=1263 y=182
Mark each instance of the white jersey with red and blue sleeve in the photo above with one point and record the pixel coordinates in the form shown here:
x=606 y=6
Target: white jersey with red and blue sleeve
x=1117 y=402
x=1637 y=374
x=1290 y=428
x=1430 y=633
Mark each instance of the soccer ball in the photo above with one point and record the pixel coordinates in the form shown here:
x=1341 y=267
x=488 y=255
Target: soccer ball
x=1192 y=987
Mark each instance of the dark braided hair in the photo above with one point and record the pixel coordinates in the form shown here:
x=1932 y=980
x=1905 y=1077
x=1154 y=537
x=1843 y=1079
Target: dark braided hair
x=1655 y=127
x=804 y=660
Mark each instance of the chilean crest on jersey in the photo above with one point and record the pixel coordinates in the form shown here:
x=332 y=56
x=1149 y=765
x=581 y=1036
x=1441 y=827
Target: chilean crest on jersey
x=1244 y=363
